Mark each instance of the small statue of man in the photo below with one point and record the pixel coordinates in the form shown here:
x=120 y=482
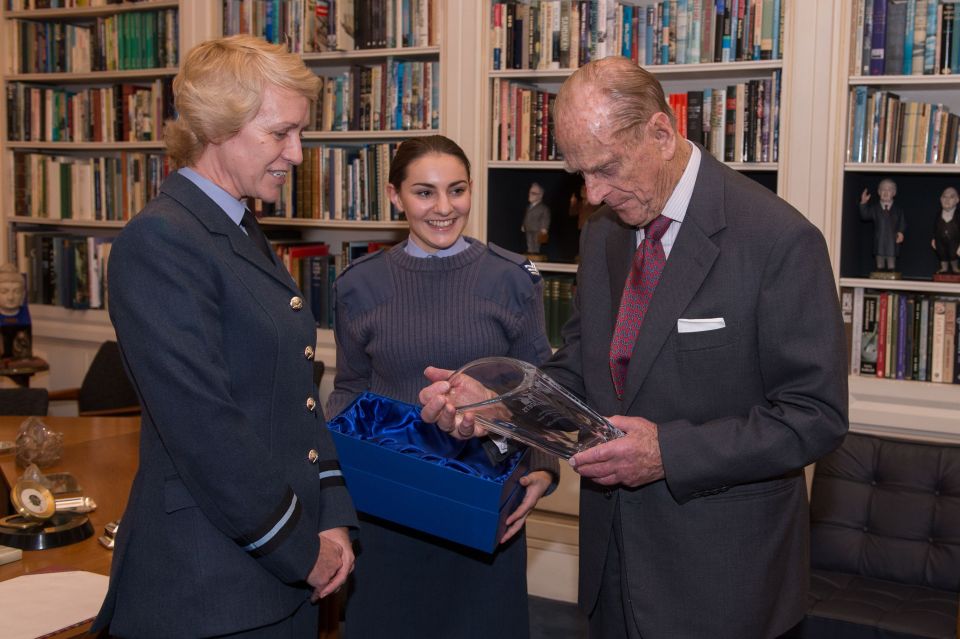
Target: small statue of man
x=536 y=221
x=889 y=224
x=946 y=233
x=14 y=314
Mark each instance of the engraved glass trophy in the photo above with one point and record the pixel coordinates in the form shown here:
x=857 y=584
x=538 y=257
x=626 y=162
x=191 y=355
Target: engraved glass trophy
x=517 y=400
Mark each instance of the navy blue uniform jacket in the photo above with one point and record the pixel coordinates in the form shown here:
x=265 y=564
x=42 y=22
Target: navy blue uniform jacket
x=221 y=527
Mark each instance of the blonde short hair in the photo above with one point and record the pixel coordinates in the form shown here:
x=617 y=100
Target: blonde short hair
x=220 y=88
x=632 y=92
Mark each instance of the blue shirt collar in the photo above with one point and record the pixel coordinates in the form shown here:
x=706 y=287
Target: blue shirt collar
x=413 y=249
x=233 y=207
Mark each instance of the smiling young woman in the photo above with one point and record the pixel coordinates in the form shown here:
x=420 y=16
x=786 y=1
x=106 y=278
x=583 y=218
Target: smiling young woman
x=438 y=298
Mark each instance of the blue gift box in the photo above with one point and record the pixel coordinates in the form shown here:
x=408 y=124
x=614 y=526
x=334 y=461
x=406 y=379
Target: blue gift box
x=405 y=471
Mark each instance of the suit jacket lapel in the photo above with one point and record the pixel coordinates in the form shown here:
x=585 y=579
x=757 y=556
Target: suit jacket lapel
x=691 y=259
x=621 y=245
x=217 y=222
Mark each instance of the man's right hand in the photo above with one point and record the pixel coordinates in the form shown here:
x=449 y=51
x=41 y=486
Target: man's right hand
x=334 y=563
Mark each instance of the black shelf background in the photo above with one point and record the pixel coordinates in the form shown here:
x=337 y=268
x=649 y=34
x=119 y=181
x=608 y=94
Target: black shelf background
x=919 y=195
x=507 y=202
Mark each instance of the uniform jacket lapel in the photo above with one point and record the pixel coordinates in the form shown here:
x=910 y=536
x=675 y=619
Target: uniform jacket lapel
x=213 y=218
x=691 y=259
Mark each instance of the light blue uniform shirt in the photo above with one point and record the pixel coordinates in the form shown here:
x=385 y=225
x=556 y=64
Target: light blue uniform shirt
x=233 y=207
x=413 y=249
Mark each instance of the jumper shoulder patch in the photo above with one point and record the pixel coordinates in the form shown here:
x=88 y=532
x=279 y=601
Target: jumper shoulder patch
x=517 y=259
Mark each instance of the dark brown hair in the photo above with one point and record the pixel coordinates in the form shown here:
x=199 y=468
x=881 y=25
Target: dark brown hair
x=413 y=149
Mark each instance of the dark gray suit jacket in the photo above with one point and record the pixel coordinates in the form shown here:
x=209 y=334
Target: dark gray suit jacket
x=219 y=358
x=720 y=547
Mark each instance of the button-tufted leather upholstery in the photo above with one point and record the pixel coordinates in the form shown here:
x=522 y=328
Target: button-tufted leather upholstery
x=885 y=541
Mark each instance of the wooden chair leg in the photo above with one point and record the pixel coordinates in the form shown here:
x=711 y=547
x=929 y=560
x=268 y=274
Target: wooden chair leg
x=330 y=616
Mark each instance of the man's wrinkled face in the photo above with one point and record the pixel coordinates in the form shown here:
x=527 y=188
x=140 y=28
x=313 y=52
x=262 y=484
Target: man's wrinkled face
x=625 y=171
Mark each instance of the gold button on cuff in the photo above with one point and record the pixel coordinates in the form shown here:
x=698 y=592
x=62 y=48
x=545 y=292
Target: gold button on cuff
x=308 y=352
x=311 y=403
x=313 y=456
x=296 y=303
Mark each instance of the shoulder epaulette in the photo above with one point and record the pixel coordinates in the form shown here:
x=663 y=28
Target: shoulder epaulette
x=517 y=259
x=361 y=259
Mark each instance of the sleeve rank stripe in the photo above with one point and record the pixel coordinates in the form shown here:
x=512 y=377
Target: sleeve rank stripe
x=279 y=527
x=327 y=464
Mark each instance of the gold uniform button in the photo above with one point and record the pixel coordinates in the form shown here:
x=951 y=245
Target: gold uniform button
x=313 y=456
x=308 y=352
x=311 y=403
x=296 y=303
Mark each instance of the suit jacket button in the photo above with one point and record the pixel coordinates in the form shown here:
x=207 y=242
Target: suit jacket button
x=313 y=456
x=296 y=303
x=607 y=494
x=308 y=352
x=311 y=403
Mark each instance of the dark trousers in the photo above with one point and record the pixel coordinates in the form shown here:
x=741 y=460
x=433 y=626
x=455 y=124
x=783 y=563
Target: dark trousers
x=613 y=615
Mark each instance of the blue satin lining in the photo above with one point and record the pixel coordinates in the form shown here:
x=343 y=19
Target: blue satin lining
x=397 y=426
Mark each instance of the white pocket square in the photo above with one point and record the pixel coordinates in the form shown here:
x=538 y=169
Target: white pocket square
x=700 y=325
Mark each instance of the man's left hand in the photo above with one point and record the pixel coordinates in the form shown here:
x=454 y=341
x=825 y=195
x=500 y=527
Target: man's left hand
x=633 y=460
x=536 y=484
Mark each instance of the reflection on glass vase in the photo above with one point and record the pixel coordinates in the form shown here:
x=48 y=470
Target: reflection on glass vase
x=517 y=400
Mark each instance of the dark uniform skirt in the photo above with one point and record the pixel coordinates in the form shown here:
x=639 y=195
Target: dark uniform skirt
x=409 y=584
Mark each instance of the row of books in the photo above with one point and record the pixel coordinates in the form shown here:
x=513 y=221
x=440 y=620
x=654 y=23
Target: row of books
x=738 y=123
x=392 y=96
x=30 y=5
x=65 y=270
x=131 y=40
x=884 y=128
x=522 y=127
x=563 y=34
x=902 y=335
x=108 y=187
x=905 y=37
x=558 y=292
x=70 y=270
x=309 y=26
x=115 y=113
x=337 y=183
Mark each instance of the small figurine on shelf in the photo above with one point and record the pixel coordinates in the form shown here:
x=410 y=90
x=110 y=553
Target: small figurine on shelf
x=536 y=221
x=14 y=315
x=946 y=237
x=889 y=224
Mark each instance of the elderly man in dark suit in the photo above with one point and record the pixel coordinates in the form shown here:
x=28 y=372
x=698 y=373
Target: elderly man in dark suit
x=238 y=514
x=706 y=323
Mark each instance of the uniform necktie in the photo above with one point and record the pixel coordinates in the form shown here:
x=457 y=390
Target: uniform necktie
x=648 y=262
x=249 y=223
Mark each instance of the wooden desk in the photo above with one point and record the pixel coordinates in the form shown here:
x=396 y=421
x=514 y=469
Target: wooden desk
x=102 y=452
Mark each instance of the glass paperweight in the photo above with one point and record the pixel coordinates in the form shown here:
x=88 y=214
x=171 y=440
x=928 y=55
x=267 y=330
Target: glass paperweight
x=517 y=400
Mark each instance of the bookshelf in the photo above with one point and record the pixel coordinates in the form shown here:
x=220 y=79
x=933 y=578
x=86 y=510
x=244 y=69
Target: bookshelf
x=383 y=83
x=93 y=51
x=513 y=67
x=888 y=131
